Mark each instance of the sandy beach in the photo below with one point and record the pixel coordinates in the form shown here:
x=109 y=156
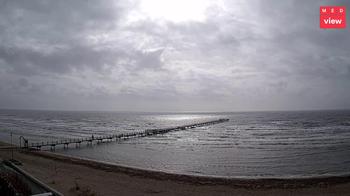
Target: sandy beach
x=72 y=176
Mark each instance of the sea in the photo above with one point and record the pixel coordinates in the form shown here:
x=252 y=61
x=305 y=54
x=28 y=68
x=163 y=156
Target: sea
x=283 y=144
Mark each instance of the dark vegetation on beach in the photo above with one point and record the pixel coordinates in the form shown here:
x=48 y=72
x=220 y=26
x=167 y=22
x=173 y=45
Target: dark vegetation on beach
x=12 y=184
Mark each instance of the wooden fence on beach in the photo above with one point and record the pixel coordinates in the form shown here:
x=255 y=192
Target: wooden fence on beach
x=109 y=138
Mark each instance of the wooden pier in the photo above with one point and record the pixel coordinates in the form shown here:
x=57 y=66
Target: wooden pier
x=115 y=137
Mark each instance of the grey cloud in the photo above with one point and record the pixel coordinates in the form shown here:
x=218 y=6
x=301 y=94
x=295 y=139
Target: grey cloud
x=61 y=61
x=247 y=55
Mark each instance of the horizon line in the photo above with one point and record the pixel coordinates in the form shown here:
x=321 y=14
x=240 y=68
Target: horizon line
x=175 y=111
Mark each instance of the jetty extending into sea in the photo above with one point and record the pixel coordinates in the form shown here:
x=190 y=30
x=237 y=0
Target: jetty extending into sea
x=24 y=143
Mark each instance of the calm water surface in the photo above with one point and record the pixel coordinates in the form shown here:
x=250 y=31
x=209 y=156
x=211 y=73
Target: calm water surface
x=251 y=144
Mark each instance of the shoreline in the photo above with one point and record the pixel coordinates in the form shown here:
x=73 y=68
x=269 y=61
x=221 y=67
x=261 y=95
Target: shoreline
x=199 y=179
x=77 y=176
x=298 y=182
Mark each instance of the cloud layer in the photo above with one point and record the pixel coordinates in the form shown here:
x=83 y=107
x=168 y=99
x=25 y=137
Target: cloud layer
x=118 y=55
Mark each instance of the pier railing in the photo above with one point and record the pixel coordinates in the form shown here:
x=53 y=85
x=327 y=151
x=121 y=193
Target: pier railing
x=117 y=137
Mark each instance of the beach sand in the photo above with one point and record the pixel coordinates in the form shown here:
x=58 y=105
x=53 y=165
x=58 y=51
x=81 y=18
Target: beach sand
x=73 y=176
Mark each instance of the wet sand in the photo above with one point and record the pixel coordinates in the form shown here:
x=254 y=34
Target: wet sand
x=73 y=176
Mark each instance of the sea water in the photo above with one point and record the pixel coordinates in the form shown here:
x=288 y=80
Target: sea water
x=250 y=145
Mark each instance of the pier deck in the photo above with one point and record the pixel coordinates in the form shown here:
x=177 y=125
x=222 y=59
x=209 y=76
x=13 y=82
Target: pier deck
x=117 y=137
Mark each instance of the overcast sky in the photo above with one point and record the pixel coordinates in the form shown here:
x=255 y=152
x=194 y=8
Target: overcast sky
x=179 y=55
